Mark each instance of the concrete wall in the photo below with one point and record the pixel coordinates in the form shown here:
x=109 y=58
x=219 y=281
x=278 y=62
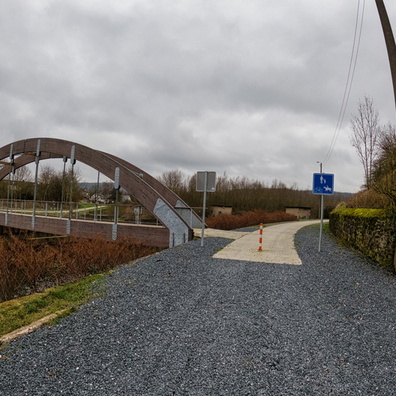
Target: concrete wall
x=300 y=213
x=216 y=210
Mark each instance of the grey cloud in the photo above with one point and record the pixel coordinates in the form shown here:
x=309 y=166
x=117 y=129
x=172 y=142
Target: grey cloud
x=240 y=86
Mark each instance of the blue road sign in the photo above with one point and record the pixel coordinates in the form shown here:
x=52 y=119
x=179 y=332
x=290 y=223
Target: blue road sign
x=323 y=184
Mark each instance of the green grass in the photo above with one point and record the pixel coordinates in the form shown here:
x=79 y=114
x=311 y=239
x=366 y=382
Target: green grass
x=86 y=206
x=25 y=310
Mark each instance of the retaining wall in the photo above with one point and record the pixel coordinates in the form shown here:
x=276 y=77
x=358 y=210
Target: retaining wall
x=371 y=231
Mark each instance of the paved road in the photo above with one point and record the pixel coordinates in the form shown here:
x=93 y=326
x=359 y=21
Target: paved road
x=185 y=323
x=277 y=247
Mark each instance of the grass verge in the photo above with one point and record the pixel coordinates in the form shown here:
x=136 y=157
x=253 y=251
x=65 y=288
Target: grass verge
x=67 y=298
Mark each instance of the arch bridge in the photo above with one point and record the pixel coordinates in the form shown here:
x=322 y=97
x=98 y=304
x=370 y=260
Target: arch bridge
x=175 y=219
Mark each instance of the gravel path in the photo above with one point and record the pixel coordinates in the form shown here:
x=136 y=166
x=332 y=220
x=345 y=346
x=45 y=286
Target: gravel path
x=183 y=323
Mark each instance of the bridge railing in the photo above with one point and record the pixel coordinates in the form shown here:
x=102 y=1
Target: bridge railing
x=114 y=213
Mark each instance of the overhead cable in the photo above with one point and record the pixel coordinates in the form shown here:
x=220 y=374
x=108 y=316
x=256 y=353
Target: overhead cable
x=351 y=73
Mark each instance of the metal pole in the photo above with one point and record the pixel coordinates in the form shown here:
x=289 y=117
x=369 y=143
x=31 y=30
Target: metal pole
x=63 y=186
x=116 y=207
x=204 y=209
x=117 y=188
x=321 y=222
x=12 y=174
x=96 y=198
x=72 y=162
x=8 y=195
x=321 y=215
x=35 y=192
x=37 y=160
x=9 y=180
x=71 y=192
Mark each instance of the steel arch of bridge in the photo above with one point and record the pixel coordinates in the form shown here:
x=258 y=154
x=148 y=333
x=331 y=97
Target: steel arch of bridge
x=177 y=218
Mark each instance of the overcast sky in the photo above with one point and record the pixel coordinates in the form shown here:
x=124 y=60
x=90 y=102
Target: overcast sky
x=251 y=88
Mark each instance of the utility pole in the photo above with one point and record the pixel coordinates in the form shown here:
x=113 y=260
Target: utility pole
x=391 y=47
x=389 y=40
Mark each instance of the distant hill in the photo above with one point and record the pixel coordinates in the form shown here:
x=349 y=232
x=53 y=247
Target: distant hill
x=88 y=186
x=344 y=195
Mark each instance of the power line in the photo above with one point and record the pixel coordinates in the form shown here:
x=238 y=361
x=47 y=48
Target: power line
x=351 y=73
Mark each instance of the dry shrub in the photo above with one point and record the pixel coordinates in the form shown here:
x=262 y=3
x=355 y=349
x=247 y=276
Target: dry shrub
x=232 y=222
x=369 y=199
x=29 y=265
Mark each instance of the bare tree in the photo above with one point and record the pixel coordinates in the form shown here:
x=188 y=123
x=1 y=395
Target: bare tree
x=384 y=170
x=365 y=136
x=23 y=185
x=175 y=180
x=54 y=186
x=23 y=174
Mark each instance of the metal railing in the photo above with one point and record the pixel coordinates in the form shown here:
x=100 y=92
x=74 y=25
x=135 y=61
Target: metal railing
x=114 y=213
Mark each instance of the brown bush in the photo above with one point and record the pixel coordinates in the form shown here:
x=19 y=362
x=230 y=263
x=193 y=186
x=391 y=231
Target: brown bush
x=369 y=199
x=29 y=265
x=232 y=222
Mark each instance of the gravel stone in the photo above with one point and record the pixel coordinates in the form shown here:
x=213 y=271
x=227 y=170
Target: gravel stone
x=182 y=323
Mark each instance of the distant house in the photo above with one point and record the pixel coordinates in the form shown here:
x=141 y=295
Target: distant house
x=97 y=198
x=221 y=209
x=299 y=211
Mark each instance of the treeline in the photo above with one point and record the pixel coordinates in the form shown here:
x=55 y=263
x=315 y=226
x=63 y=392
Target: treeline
x=53 y=185
x=240 y=193
x=243 y=194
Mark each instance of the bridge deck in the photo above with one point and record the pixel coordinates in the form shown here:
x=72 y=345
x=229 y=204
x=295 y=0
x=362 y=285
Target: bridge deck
x=151 y=235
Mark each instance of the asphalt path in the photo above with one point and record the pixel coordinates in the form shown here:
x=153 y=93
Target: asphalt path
x=183 y=322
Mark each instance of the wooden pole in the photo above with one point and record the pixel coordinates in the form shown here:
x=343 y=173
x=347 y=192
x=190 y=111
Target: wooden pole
x=389 y=40
x=391 y=48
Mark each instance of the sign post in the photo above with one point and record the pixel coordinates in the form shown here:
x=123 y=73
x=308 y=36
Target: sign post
x=206 y=182
x=323 y=184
